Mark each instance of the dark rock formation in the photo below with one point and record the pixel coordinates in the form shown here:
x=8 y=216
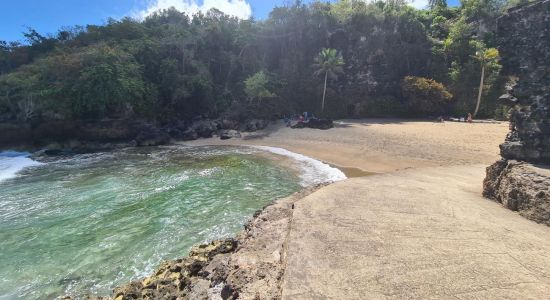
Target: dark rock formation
x=323 y=124
x=179 y=278
x=524 y=34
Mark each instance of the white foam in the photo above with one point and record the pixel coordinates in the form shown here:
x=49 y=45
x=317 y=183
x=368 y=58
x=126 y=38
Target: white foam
x=313 y=171
x=12 y=163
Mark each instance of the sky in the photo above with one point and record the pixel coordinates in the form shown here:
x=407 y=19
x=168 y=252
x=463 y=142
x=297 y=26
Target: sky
x=48 y=16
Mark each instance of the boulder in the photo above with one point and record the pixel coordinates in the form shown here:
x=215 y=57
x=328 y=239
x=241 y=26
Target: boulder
x=229 y=134
x=521 y=187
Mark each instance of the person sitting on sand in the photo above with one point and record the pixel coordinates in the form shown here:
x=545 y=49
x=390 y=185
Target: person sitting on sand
x=470 y=120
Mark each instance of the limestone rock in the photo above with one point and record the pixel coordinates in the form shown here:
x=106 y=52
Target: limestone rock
x=521 y=187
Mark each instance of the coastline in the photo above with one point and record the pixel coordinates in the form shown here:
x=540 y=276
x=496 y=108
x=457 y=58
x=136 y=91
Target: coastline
x=241 y=268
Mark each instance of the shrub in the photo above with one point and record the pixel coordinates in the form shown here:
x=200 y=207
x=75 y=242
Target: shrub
x=425 y=96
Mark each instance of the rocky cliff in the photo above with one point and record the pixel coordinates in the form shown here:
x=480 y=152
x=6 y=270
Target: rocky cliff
x=524 y=34
x=515 y=181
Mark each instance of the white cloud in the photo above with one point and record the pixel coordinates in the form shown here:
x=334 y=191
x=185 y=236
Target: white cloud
x=420 y=4
x=238 y=8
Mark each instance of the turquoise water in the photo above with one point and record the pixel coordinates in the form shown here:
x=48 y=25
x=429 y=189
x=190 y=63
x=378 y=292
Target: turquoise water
x=88 y=223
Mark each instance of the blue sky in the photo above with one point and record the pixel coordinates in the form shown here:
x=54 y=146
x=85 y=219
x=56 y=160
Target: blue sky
x=47 y=16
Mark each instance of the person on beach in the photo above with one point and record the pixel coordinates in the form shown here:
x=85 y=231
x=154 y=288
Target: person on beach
x=470 y=120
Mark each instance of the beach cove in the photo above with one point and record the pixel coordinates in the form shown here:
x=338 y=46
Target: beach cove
x=418 y=229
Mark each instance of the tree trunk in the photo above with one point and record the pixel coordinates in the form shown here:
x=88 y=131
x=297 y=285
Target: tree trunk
x=480 y=89
x=324 y=93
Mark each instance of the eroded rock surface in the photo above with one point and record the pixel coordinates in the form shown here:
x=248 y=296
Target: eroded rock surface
x=524 y=35
x=521 y=187
x=525 y=48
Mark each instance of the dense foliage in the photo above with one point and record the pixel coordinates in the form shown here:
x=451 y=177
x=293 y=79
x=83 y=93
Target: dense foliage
x=171 y=66
x=425 y=96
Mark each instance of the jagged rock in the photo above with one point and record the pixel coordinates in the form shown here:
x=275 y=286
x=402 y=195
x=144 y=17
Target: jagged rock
x=525 y=48
x=521 y=187
x=183 y=278
x=524 y=37
x=228 y=134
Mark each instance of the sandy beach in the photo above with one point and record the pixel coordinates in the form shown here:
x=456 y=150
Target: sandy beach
x=384 y=145
x=418 y=229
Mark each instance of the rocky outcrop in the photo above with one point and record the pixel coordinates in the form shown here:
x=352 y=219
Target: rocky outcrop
x=521 y=187
x=71 y=137
x=524 y=34
x=323 y=124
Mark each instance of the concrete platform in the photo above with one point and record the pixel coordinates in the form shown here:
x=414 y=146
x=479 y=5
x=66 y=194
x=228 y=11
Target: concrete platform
x=415 y=234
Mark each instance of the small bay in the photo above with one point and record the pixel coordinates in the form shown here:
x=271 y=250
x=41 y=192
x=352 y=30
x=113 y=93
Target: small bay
x=86 y=223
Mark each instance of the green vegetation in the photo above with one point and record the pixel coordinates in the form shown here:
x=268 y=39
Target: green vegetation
x=171 y=66
x=425 y=96
x=257 y=87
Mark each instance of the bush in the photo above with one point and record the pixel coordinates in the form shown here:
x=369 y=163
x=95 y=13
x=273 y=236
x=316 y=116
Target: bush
x=425 y=96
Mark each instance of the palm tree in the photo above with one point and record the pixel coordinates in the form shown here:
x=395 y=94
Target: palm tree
x=329 y=62
x=485 y=57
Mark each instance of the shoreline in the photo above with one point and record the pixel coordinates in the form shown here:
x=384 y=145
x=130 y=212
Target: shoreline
x=273 y=220
x=206 y=280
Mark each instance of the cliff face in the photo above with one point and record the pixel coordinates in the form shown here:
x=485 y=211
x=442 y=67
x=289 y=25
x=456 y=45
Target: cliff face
x=514 y=181
x=524 y=34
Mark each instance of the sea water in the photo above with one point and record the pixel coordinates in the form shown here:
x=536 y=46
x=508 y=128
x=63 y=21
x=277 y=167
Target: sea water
x=86 y=223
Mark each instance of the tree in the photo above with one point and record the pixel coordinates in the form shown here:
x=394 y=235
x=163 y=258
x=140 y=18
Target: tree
x=486 y=57
x=328 y=62
x=257 y=87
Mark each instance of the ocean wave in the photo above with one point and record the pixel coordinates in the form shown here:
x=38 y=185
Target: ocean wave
x=313 y=171
x=11 y=163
